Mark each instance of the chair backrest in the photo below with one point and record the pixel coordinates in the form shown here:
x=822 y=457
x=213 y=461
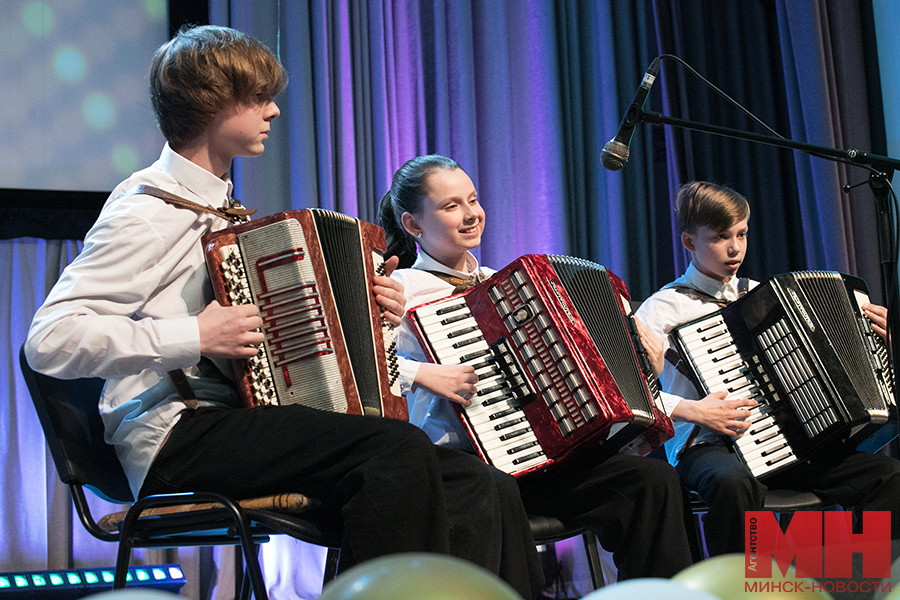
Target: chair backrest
x=70 y=417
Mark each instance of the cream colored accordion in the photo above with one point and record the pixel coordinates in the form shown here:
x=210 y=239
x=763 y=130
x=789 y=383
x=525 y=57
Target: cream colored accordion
x=327 y=345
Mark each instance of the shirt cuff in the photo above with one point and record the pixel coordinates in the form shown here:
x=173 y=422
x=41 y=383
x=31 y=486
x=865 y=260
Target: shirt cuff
x=669 y=402
x=408 y=370
x=179 y=342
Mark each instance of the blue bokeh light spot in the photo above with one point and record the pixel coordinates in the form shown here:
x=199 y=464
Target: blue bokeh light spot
x=38 y=18
x=70 y=63
x=125 y=159
x=98 y=110
x=156 y=8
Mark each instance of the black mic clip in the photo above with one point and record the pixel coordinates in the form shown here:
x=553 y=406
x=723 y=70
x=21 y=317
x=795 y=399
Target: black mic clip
x=877 y=179
x=616 y=151
x=846 y=188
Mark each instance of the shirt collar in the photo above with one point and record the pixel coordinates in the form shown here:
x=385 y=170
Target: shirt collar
x=725 y=290
x=195 y=178
x=424 y=262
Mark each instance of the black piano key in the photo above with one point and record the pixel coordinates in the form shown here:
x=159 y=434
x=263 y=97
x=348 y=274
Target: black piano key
x=502 y=413
x=522 y=447
x=493 y=388
x=702 y=328
x=727 y=356
x=469 y=342
x=773 y=450
x=472 y=356
x=498 y=398
x=454 y=319
x=511 y=423
x=713 y=337
x=778 y=460
x=524 y=459
x=492 y=372
x=464 y=331
x=719 y=348
x=449 y=309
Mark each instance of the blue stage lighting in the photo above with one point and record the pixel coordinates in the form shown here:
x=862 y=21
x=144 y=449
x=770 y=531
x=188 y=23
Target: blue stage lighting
x=77 y=583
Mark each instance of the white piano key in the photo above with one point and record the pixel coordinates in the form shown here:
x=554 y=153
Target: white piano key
x=496 y=444
x=459 y=345
x=450 y=347
x=763 y=447
x=760 y=465
x=436 y=323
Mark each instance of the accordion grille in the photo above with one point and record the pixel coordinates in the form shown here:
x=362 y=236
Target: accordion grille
x=826 y=294
x=590 y=289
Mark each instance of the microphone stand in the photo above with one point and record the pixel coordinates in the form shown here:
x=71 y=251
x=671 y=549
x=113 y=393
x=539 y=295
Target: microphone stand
x=881 y=172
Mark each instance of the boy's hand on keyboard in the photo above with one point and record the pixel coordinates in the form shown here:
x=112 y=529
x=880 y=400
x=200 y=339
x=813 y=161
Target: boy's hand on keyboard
x=726 y=417
x=878 y=316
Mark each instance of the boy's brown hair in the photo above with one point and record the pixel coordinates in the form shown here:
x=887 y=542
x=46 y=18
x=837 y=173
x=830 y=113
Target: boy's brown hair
x=701 y=203
x=201 y=71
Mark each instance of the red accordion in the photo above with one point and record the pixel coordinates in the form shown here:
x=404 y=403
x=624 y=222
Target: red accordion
x=326 y=343
x=561 y=367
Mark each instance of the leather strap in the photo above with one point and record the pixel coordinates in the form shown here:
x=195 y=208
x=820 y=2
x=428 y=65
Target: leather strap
x=742 y=288
x=235 y=213
x=183 y=387
x=459 y=285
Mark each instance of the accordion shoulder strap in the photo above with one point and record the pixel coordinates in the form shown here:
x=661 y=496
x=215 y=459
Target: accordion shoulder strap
x=459 y=285
x=183 y=387
x=235 y=213
x=743 y=287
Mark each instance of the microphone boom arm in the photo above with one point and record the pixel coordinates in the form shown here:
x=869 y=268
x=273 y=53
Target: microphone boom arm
x=881 y=172
x=852 y=156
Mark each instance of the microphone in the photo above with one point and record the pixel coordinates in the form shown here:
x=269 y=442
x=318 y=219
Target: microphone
x=615 y=152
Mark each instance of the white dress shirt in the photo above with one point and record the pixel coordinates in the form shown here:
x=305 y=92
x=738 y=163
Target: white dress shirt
x=661 y=313
x=125 y=309
x=434 y=414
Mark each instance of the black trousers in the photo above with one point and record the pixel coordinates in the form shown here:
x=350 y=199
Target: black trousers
x=633 y=504
x=860 y=480
x=383 y=480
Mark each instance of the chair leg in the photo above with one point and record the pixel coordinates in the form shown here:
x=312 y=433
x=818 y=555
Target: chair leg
x=246 y=591
x=694 y=509
x=240 y=575
x=332 y=561
x=253 y=571
x=594 y=563
x=123 y=557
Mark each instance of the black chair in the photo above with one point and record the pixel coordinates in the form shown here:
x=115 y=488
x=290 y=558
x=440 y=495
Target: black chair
x=69 y=415
x=781 y=502
x=549 y=530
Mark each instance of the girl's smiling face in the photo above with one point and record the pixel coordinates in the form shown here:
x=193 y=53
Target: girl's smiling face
x=450 y=220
